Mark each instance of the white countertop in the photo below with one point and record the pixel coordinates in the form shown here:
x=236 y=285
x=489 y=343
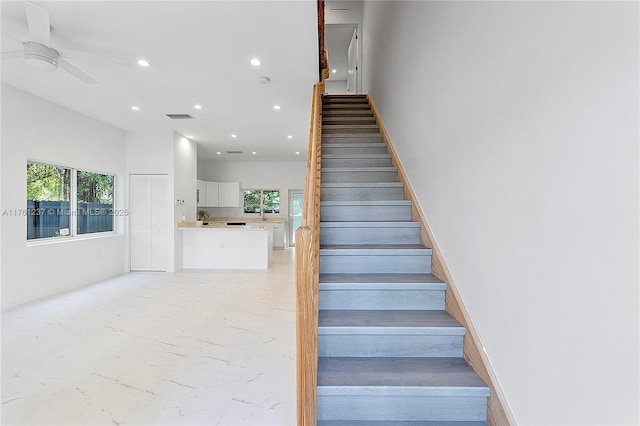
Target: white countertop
x=220 y=227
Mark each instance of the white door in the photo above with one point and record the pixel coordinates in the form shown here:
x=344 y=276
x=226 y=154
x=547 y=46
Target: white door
x=149 y=222
x=352 y=64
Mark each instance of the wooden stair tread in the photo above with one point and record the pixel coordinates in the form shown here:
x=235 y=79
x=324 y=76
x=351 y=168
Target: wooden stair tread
x=371 y=224
x=381 y=279
x=397 y=423
x=387 y=320
x=398 y=376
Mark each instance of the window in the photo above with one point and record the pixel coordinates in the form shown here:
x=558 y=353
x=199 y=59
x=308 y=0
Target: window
x=48 y=201
x=53 y=190
x=94 y=202
x=262 y=200
x=271 y=201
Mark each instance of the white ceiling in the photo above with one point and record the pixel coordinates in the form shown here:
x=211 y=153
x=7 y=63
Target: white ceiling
x=199 y=53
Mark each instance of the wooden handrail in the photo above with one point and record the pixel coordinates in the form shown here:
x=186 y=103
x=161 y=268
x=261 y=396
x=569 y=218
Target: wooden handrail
x=307 y=273
x=322 y=56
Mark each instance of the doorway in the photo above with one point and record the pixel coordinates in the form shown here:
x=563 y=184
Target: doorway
x=296 y=201
x=342 y=42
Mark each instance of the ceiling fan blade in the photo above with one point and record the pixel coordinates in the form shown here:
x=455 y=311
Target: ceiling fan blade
x=38 y=20
x=12 y=54
x=71 y=69
x=11 y=37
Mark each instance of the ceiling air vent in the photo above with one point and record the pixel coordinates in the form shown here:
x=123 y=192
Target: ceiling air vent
x=234 y=152
x=179 y=116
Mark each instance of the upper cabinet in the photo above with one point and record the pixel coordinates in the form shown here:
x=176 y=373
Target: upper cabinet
x=218 y=194
x=201 y=193
x=229 y=195
x=212 y=194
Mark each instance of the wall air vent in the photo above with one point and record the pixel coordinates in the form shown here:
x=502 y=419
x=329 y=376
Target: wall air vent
x=179 y=116
x=234 y=152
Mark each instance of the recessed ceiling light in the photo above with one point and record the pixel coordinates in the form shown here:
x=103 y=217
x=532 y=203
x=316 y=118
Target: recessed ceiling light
x=190 y=136
x=234 y=136
x=256 y=62
x=135 y=108
x=254 y=153
x=334 y=70
x=143 y=62
x=219 y=153
x=276 y=107
x=196 y=106
x=289 y=137
x=297 y=152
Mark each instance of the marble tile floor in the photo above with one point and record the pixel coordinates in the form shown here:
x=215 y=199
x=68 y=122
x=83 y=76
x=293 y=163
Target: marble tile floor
x=190 y=348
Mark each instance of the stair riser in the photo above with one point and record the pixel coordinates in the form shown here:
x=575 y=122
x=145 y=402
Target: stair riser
x=371 y=213
x=335 y=236
x=381 y=299
x=356 y=162
x=348 y=120
x=328 y=138
x=350 y=345
x=361 y=194
x=348 y=129
x=330 y=264
x=344 y=98
x=347 y=113
x=398 y=408
x=334 y=101
x=346 y=150
x=360 y=176
x=341 y=106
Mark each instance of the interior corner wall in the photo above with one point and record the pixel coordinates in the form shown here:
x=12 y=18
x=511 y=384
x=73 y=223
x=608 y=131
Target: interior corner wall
x=35 y=129
x=152 y=153
x=185 y=168
x=517 y=125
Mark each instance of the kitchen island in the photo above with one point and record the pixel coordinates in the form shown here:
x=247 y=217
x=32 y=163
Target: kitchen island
x=276 y=225
x=225 y=247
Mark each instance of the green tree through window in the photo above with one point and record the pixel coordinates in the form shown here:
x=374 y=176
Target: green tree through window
x=257 y=200
x=48 y=183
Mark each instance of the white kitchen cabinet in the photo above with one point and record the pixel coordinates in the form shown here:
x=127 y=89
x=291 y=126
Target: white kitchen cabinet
x=278 y=235
x=201 y=193
x=268 y=226
x=229 y=194
x=213 y=191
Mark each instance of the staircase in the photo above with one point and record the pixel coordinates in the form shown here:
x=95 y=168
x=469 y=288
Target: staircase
x=388 y=352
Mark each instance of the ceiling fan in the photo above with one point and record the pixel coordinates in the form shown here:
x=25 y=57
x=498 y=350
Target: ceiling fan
x=38 y=51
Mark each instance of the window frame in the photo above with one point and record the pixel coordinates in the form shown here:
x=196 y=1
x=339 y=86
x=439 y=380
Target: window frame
x=73 y=207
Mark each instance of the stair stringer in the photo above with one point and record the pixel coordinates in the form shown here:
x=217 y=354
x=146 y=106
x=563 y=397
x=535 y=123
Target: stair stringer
x=498 y=411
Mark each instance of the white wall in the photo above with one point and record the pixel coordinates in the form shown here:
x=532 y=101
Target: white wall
x=255 y=175
x=185 y=159
x=34 y=129
x=517 y=123
x=343 y=12
x=335 y=87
